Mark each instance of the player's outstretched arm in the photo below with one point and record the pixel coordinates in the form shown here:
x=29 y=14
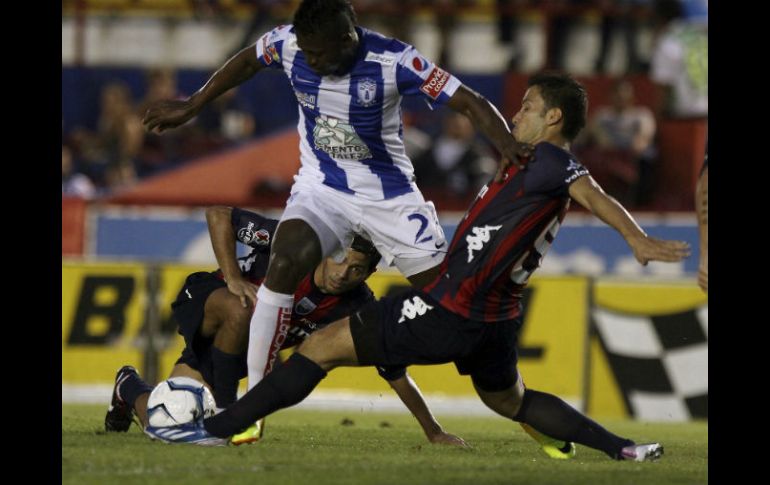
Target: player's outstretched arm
x=491 y=123
x=170 y=113
x=223 y=243
x=702 y=208
x=410 y=394
x=590 y=195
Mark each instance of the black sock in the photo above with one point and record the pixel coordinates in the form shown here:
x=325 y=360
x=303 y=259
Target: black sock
x=133 y=387
x=284 y=387
x=227 y=370
x=557 y=419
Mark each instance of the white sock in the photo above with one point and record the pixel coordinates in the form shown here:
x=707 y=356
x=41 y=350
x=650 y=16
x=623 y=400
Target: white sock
x=267 y=332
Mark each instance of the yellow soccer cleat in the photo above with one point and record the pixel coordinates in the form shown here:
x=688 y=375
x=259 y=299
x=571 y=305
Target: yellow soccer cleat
x=558 y=450
x=252 y=434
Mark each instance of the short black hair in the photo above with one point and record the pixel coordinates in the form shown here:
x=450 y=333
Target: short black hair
x=318 y=16
x=561 y=91
x=365 y=246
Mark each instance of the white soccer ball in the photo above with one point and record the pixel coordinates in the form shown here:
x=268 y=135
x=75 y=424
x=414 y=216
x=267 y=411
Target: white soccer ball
x=179 y=400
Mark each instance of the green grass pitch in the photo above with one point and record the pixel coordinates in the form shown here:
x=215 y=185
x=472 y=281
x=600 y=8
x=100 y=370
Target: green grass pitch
x=316 y=448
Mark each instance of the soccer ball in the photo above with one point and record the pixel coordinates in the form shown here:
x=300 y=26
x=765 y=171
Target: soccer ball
x=177 y=401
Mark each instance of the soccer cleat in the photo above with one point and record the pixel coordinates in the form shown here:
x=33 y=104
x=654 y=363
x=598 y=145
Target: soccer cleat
x=643 y=452
x=252 y=434
x=559 y=450
x=556 y=449
x=119 y=415
x=192 y=433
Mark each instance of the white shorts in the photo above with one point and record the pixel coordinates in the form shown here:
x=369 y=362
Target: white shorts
x=405 y=229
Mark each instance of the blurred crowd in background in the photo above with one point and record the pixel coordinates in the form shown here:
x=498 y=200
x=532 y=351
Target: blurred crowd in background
x=112 y=151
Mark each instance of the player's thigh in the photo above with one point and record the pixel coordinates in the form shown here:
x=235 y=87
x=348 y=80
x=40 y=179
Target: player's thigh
x=331 y=346
x=224 y=311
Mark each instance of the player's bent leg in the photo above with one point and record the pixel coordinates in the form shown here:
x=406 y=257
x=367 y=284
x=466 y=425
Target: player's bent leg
x=226 y=321
x=296 y=251
x=421 y=279
x=291 y=382
x=331 y=346
x=508 y=402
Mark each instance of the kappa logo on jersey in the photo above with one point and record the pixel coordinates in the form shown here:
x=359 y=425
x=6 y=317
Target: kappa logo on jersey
x=339 y=139
x=380 y=58
x=304 y=306
x=481 y=236
x=415 y=307
x=435 y=82
x=576 y=169
x=367 y=90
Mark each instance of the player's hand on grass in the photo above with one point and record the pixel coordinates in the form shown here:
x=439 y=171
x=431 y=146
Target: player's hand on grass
x=443 y=438
x=168 y=113
x=243 y=289
x=648 y=249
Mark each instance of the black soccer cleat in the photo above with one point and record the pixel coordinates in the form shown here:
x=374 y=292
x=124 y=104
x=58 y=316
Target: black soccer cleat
x=119 y=415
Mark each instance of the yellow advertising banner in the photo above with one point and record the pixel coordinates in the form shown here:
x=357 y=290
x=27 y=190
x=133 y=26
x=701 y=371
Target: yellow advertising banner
x=102 y=314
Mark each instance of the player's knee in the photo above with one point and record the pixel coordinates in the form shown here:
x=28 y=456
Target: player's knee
x=289 y=267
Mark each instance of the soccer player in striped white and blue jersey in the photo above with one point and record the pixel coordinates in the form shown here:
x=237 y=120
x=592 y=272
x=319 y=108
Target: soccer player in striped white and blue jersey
x=355 y=176
x=471 y=313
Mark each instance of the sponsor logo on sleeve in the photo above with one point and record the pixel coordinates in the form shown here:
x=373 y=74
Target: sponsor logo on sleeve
x=383 y=59
x=418 y=63
x=576 y=170
x=435 y=82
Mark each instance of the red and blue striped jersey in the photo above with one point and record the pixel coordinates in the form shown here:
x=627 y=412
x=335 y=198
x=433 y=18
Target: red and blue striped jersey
x=313 y=309
x=504 y=235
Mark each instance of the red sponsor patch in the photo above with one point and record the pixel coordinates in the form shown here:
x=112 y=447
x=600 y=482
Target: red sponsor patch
x=265 y=52
x=435 y=82
x=417 y=63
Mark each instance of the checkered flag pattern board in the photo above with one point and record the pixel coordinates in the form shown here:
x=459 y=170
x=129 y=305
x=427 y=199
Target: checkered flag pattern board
x=660 y=362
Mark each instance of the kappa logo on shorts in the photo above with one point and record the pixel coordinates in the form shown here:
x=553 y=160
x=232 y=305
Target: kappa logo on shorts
x=415 y=307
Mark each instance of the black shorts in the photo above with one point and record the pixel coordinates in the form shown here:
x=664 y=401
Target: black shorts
x=188 y=310
x=411 y=328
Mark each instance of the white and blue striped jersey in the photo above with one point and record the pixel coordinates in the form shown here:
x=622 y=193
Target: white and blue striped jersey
x=350 y=127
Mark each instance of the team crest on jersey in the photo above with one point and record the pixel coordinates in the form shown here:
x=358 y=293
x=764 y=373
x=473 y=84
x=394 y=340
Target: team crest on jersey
x=339 y=139
x=367 y=92
x=304 y=306
x=481 y=236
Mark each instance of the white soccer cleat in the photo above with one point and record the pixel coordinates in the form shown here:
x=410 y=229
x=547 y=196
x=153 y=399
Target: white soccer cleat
x=643 y=452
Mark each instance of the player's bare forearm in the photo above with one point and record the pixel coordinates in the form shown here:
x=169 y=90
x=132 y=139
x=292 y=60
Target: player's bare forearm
x=238 y=69
x=702 y=210
x=488 y=120
x=590 y=195
x=410 y=394
x=702 y=207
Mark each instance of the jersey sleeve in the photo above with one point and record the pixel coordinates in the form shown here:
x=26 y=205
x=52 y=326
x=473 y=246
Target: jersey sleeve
x=417 y=76
x=253 y=229
x=270 y=47
x=552 y=171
